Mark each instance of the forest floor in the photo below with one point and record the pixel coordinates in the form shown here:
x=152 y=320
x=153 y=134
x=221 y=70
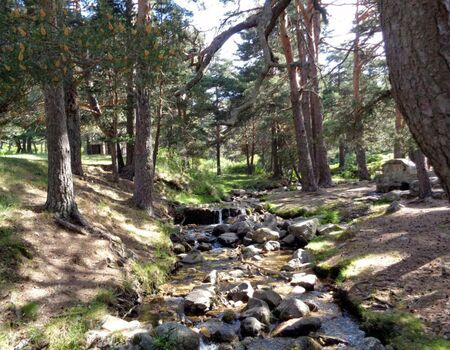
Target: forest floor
x=390 y=267
x=47 y=271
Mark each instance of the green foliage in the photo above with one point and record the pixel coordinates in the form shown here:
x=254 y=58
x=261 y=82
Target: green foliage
x=375 y=163
x=326 y=214
x=402 y=330
x=163 y=343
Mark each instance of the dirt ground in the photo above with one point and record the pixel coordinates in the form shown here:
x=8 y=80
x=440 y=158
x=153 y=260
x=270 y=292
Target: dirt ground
x=398 y=262
x=69 y=268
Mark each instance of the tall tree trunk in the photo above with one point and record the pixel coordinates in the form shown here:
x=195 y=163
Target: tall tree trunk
x=159 y=113
x=398 y=151
x=218 y=143
x=424 y=181
x=120 y=162
x=29 y=143
x=143 y=162
x=417 y=39
x=276 y=166
x=309 y=183
x=60 y=195
x=73 y=123
x=360 y=150
x=131 y=116
x=115 y=165
x=342 y=153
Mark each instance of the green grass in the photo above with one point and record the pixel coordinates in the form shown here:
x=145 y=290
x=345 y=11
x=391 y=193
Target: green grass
x=402 y=330
x=327 y=214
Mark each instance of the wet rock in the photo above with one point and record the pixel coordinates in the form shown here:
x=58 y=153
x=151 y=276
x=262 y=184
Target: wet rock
x=394 y=207
x=369 y=344
x=297 y=327
x=291 y=308
x=204 y=247
x=116 y=324
x=303 y=255
x=273 y=299
x=303 y=343
x=228 y=239
x=265 y=234
x=307 y=281
x=289 y=240
x=220 y=229
x=293 y=265
x=297 y=291
x=178 y=248
x=251 y=251
x=211 y=277
x=255 y=302
x=261 y=313
x=241 y=228
x=194 y=257
x=218 y=332
x=242 y=292
x=304 y=230
x=175 y=333
x=271 y=246
x=199 y=300
x=251 y=327
x=229 y=316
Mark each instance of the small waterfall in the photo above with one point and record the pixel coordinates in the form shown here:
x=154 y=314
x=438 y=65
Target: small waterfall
x=204 y=346
x=220 y=216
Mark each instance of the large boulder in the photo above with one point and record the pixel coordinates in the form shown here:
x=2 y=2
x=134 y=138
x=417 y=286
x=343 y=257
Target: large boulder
x=199 y=300
x=221 y=229
x=178 y=336
x=304 y=230
x=218 y=332
x=241 y=228
x=303 y=255
x=251 y=327
x=228 y=239
x=291 y=308
x=265 y=234
x=398 y=174
x=261 y=313
x=307 y=281
x=297 y=327
x=267 y=294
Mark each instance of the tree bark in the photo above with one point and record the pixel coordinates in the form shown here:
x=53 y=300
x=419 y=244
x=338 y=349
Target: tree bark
x=417 y=40
x=143 y=162
x=398 y=151
x=159 y=113
x=60 y=195
x=73 y=123
x=309 y=183
x=424 y=181
x=363 y=172
x=131 y=116
x=342 y=154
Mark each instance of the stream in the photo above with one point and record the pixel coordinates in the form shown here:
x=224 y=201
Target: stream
x=243 y=282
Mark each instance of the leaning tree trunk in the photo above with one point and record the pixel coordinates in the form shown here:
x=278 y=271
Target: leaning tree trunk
x=309 y=183
x=417 y=39
x=398 y=149
x=143 y=161
x=73 y=123
x=60 y=196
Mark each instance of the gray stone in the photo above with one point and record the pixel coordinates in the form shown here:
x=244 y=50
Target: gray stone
x=392 y=196
x=204 y=247
x=228 y=239
x=199 y=300
x=297 y=327
x=303 y=255
x=261 y=313
x=394 y=207
x=242 y=292
x=179 y=335
x=291 y=308
x=194 y=257
x=178 y=248
x=304 y=230
x=327 y=229
x=251 y=251
x=271 y=246
x=211 y=277
x=273 y=299
x=307 y=281
x=369 y=344
x=288 y=240
x=98 y=338
x=293 y=265
x=397 y=174
x=265 y=234
x=116 y=324
x=218 y=332
x=241 y=228
x=220 y=229
x=251 y=327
